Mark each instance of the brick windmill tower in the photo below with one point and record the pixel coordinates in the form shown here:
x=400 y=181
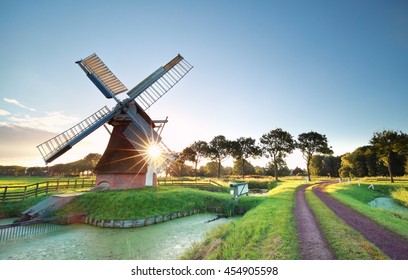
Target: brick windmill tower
x=135 y=152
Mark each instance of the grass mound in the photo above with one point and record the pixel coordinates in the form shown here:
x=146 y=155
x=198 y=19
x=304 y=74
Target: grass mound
x=148 y=202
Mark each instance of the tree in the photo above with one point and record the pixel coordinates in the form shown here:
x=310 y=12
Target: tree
x=277 y=144
x=178 y=168
x=91 y=160
x=242 y=149
x=283 y=169
x=322 y=165
x=311 y=143
x=213 y=169
x=390 y=143
x=218 y=149
x=362 y=162
x=238 y=164
x=195 y=153
x=406 y=165
x=316 y=166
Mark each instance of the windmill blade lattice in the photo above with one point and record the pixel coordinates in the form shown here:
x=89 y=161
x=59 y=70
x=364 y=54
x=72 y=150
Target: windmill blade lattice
x=64 y=141
x=101 y=76
x=161 y=81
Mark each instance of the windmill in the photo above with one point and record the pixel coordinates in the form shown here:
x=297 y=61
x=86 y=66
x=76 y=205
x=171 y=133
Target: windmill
x=135 y=152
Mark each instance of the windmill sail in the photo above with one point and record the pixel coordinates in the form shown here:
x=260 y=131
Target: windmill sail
x=159 y=82
x=58 y=145
x=144 y=95
x=101 y=76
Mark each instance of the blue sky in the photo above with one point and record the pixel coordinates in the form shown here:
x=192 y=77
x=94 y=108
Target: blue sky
x=339 y=68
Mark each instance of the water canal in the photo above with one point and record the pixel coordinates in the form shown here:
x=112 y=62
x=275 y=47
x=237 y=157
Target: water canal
x=84 y=242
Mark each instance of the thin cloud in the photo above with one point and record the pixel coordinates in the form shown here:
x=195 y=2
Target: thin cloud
x=18 y=144
x=4 y=112
x=52 y=121
x=15 y=102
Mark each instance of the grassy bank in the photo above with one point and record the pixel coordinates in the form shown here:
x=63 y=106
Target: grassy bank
x=143 y=203
x=346 y=243
x=358 y=197
x=14 y=209
x=265 y=232
x=401 y=196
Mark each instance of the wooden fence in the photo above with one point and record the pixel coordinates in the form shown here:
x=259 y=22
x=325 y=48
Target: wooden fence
x=207 y=185
x=15 y=193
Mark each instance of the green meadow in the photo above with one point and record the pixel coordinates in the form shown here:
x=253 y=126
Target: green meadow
x=266 y=231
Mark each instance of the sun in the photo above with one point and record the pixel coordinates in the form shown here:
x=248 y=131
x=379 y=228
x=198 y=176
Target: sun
x=154 y=151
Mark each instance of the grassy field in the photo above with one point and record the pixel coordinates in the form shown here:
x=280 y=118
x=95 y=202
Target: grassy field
x=265 y=232
x=23 y=181
x=358 y=197
x=346 y=243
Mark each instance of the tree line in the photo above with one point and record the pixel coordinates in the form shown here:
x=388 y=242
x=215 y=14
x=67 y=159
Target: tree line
x=387 y=155
x=277 y=144
x=75 y=168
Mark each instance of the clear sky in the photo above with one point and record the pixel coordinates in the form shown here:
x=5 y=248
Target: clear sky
x=339 y=68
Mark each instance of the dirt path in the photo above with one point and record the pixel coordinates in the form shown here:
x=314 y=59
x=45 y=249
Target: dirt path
x=313 y=246
x=391 y=244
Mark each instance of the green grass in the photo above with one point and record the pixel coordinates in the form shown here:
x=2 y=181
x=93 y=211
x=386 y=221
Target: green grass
x=28 y=180
x=346 y=243
x=14 y=209
x=148 y=202
x=401 y=196
x=358 y=197
x=265 y=232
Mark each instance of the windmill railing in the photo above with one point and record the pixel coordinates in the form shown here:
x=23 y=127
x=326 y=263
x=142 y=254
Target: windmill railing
x=16 y=193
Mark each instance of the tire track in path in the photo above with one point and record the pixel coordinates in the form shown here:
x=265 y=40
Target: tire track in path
x=390 y=243
x=313 y=246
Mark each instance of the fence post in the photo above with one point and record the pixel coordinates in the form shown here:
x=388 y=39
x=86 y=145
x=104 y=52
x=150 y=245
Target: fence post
x=36 y=190
x=25 y=191
x=68 y=184
x=4 y=194
x=57 y=184
x=46 y=187
x=75 y=183
x=83 y=182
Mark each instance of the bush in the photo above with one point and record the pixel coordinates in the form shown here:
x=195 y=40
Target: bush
x=262 y=184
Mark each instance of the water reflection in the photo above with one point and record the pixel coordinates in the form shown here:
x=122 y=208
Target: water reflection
x=83 y=242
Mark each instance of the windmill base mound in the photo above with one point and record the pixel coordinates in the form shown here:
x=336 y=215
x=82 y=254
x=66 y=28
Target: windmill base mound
x=123 y=181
